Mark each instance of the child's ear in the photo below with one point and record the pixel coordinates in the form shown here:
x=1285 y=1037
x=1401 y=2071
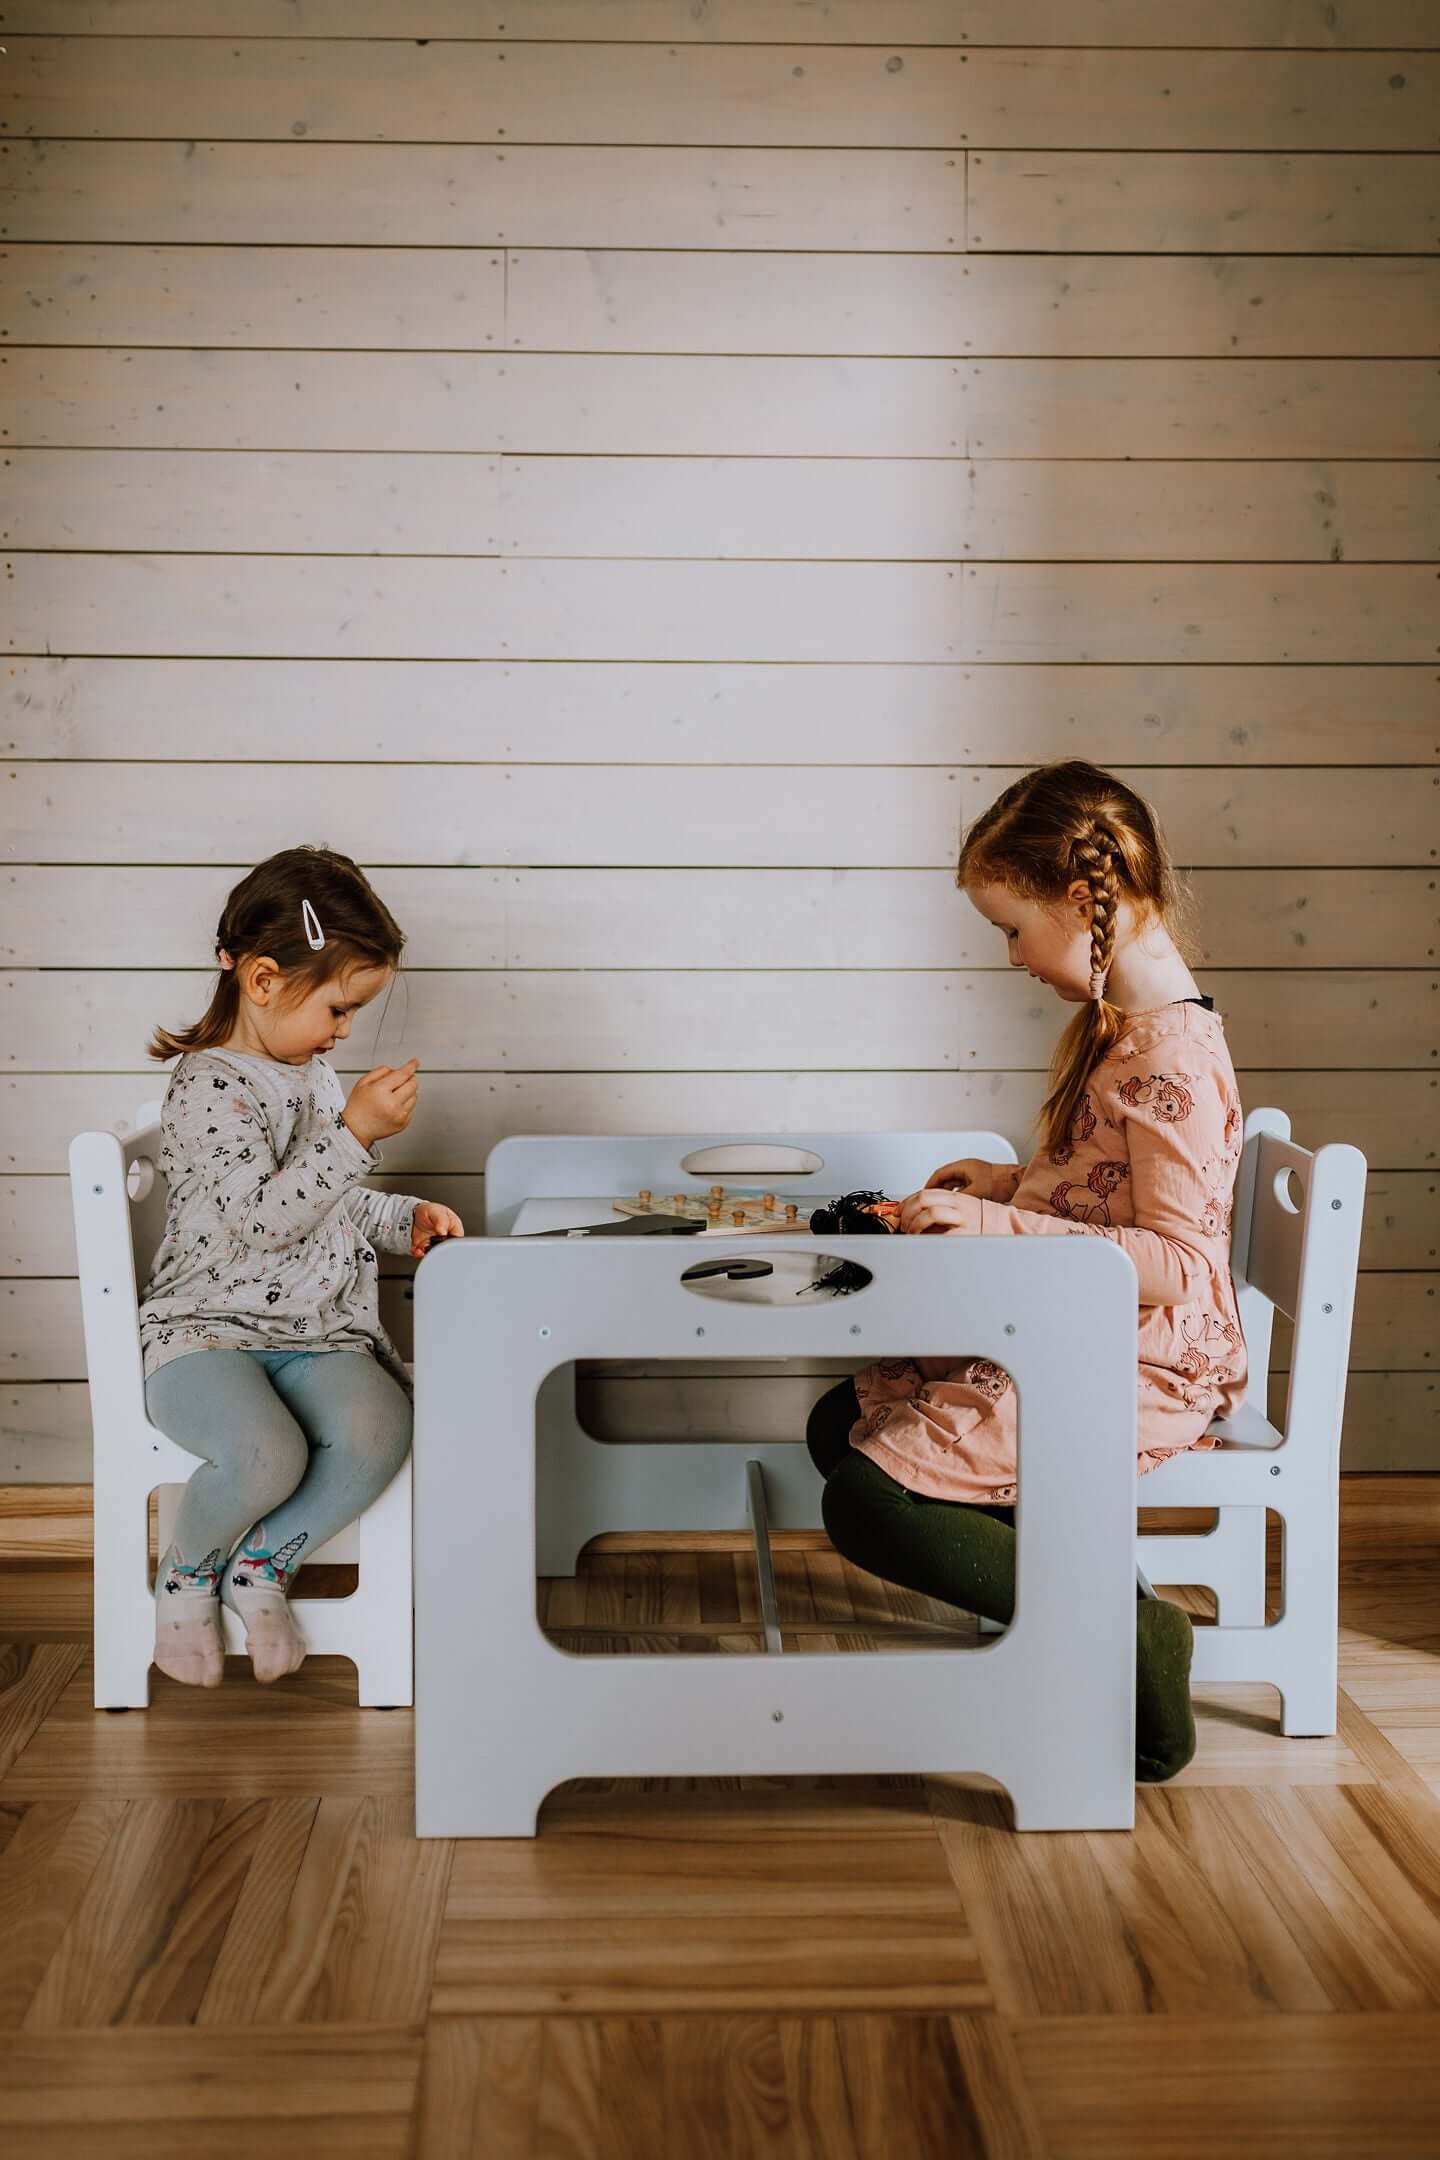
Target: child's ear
x=259 y=977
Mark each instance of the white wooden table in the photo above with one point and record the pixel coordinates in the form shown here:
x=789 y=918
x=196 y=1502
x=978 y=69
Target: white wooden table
x=508 y=1485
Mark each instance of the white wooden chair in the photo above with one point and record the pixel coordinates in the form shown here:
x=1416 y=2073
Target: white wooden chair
x=1295 y=1249
x=119 y=1199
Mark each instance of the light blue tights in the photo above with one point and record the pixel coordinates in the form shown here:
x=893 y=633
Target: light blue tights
x=295 y=1445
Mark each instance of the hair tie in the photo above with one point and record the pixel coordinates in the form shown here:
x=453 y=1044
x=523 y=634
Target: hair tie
x=223 y=957
x=314 y=935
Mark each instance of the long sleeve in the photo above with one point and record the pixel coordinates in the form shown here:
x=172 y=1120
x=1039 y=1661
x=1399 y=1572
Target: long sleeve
x=216 y=1131
x=385 y=1220
x=1004 y=1178
x=1175 y=1134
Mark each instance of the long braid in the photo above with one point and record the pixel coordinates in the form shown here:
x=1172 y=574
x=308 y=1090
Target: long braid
x=1094 y=858
x=1095 y=862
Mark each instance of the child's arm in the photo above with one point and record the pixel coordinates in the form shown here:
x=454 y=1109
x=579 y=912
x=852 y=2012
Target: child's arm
x=385 y=1220
x=1181 y=1171
x=216 y=1130
x=972 y=1174
x=1004 y=1181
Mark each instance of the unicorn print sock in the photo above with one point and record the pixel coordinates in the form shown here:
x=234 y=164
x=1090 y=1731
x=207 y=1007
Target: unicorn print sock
x=256 y=1585
x=189 y=1645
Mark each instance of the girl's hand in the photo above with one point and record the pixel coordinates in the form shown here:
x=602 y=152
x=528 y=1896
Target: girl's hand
x=382 y=1103
x=934 y=1213
x=970 y=1175
x=433 y=1222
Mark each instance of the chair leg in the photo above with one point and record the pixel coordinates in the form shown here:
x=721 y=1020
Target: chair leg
x=1309 y=1708
x=1238 y=1567
x=1310 y=1678
x=124 y=1631
x=385 y=1603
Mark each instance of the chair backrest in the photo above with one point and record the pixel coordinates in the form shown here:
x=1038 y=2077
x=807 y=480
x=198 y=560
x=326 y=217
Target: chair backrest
x=119 y=1198
x=1296 y=1250
x=792 y=1165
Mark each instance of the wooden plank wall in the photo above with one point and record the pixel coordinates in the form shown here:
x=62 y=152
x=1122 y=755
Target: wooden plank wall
x=638 y=475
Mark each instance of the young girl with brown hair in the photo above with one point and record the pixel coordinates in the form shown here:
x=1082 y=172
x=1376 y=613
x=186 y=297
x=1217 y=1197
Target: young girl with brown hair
x=260 y=1326
x=1140 y=1143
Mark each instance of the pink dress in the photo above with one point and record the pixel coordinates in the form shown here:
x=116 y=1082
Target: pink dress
x=1150 y=1163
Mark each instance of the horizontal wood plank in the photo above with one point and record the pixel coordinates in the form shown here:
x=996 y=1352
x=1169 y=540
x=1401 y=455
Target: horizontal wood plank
x=1171 y=203
x=1389 y=1116
x=559 y=712
x=276 y=296
x=562 y=299
x=343 y=2090
x=843 y=816
x=870 y=509
x=685 y=1020
x=637 y=405
x=441 y=90
x=456 y=608
x=459 y=195
x=136 y=916
x=645 y=300
x=1310 y=23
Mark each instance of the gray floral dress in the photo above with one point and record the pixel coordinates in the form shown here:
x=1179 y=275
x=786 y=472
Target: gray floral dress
x=270 y=1237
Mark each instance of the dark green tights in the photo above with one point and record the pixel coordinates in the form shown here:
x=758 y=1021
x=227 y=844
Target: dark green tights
x=966 y=1556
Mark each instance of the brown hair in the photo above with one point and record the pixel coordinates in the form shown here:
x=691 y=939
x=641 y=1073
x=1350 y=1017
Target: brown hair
x=266 y=914
x=1058 y=823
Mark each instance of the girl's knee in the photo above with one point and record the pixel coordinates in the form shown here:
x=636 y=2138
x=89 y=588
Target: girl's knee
x=277 y=1462
x=394 y=1449
x=851 y=1505
x=380 y=1446
x=827 y=1431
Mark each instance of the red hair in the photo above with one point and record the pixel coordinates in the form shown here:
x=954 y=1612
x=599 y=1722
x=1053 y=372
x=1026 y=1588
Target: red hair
x=1053 y=825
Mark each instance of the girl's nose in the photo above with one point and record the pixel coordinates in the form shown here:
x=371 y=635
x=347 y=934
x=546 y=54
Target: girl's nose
x=342 y=1028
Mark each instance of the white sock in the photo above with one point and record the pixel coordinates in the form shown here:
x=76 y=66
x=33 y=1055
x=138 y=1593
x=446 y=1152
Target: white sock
x=189 y=1645
x=272 y=1635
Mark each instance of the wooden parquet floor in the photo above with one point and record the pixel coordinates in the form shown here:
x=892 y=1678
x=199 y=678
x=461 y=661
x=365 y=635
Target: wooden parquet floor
x=217 y=1929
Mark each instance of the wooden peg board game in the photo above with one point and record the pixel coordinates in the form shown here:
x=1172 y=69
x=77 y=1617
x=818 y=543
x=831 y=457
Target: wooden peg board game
x=724 y=1210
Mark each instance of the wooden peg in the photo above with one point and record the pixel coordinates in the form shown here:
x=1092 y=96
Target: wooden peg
x=677 y=1201
x=645 y=1197
x=739 y=1218
x=768 y=1203
x=792 y=1212
x=717 y=1194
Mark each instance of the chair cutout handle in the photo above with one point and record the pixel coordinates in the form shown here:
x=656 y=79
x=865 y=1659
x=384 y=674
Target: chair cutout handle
x=752 y=1158
x=140 y=1179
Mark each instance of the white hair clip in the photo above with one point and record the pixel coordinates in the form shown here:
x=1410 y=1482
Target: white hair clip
x=314 y=935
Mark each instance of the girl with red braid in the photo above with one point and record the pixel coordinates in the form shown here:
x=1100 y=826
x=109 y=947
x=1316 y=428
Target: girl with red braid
x=1139 y=1143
